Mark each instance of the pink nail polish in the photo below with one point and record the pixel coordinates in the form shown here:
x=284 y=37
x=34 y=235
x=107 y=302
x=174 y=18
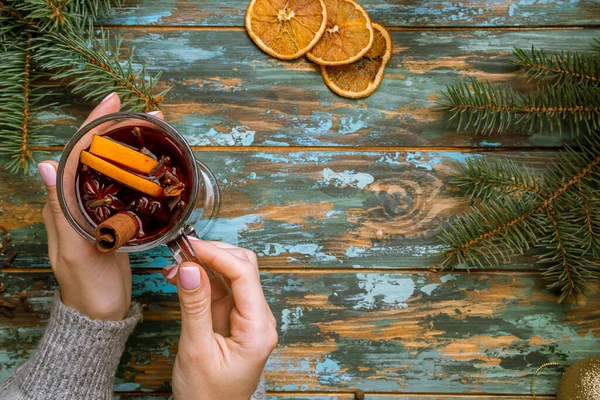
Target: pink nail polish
x=173 y=272
x=154 y=112
x=108 y=97
x=189 y=277
x=169 y=267
x=48 y=174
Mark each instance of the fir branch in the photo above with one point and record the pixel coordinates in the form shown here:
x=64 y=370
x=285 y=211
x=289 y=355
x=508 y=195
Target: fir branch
x=58 y=15
x=101 y=69
x=487 y=178
x=589 y=221
x=90 y=66
x=596 y=45
x=24 y=153
x=564 y=67
x=488 y=107
x=460 y=246
x=18 y=102
x=564 y=221
x=6 y=10
x=563 y=262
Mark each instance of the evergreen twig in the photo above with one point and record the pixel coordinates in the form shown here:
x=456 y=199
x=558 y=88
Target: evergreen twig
x=564 y=66
x=493 y=178
x=19 y=101
x=489 y=107
x=103 y=69
x=596 y=44
x=550 y=211
x=61 y=44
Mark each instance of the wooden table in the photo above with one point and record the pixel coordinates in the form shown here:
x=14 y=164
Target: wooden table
x=308 y=179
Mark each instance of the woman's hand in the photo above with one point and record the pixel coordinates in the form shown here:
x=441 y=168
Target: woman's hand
x=95 y=284
x=225 y=343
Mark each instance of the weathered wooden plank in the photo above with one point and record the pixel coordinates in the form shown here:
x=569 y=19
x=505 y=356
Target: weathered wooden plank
x=380 y=332
x=299 y=209
x=351 y=396
x=412 y=13
x=226 y=92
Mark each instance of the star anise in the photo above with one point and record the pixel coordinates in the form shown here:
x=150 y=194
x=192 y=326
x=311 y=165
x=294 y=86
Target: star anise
x=101 y=197
x=144 y=206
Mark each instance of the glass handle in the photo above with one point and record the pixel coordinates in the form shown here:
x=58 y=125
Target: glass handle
x=183 y=251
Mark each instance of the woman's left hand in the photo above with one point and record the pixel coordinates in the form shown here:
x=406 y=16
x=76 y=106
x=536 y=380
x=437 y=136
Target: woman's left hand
x=97 y=285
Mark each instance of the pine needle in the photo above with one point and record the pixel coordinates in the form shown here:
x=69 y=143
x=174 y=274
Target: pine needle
x=521 y=209
x=489 y=107
x=564 y=67
x=102 y=69
x=59 y=43
x=596 y=44
x=19 y=102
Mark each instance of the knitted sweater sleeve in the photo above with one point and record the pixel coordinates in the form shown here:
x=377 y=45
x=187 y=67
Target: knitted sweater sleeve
x=77 y=357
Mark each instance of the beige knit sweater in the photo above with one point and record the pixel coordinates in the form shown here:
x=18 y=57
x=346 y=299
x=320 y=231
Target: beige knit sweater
x=76 y=359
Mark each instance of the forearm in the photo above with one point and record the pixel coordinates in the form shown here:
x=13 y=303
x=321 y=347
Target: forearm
x=77 y=358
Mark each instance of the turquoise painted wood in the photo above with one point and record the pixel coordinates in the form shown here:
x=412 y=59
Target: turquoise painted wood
x=380 y=332
x=352 y=312
x=411 y=13
x=306 y=209
x=226 y=92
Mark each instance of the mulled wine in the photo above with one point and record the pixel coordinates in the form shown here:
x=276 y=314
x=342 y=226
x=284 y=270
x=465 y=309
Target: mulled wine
x=135 y=171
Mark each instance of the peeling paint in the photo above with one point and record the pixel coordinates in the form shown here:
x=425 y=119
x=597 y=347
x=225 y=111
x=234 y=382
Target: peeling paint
x=381 y=291
x=346 y=178
x=428 y=289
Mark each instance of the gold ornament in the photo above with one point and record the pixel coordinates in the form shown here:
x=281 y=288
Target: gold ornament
x=581 y=381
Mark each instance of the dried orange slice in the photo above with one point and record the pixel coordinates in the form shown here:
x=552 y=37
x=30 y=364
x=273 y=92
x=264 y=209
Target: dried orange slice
x=120 y=175
x=348 y=36
x=363 y=77
x=116 y=152
x=286 y=29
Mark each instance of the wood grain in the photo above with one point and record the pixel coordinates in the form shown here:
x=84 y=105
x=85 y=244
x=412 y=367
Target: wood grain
x=404 y=396
x=411 y=13
x=304 y=209
x=226 y=92
x=380 y=332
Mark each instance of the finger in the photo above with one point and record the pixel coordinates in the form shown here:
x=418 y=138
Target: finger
x=157 y=114
x=51 y=232
x=239 y=253
x=170 y=273
x=193 y=289
x=250 y=255
x=48 y=173
x=221 y=315
x=219 y=289
x=245 y=285
x=271 y=316
x=110 y=104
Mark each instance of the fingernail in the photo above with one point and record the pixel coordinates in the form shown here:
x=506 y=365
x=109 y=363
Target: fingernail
x=108 y=97
x=48 y=174
x=189 y=277
x=173 y=272
x=169 y=267
x=194 y=239
x=154 y=112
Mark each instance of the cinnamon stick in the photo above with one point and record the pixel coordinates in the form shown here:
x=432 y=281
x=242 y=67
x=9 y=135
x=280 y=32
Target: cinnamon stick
x=115 y=232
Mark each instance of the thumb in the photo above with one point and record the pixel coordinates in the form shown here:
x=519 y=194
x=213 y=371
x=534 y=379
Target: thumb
x=193 y=288
x=48 y=173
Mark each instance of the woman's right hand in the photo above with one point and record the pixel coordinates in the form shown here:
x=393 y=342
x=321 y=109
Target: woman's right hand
x=225 y=344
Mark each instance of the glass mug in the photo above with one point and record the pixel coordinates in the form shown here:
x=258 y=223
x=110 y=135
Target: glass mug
x=197 y=217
